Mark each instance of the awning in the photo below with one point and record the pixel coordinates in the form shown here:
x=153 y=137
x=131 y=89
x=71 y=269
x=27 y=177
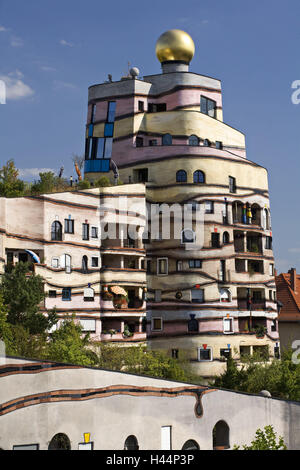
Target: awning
x=118 y=290
x=34 y=256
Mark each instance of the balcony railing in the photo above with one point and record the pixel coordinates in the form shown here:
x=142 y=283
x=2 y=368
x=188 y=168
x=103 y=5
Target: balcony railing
x=244 y=304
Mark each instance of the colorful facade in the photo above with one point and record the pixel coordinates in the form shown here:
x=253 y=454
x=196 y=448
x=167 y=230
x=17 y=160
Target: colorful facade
x=167 y=132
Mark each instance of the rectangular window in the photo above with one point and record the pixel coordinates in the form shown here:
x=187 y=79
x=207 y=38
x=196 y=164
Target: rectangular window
x=69 y=226
x=52 y=294
x=271 y=269
x=274 y=325
x=100 y=147
x=209 y=207
x=152 y=142
x=215 y=240
x=88 y=325
x=198 y=295
x=232 y=184
x=205 y=354
x=85 y=232
x=55 y=263
x=27 y=447
x=93 y=113
x=219 y=145
x=108 y=148
x=141 y=106
x=208 y=106
x=139 y=142
x=108 y=129
x=94 y=232
x=195 y=263
x=162 y=266
x=157 y=107
x=269 y=243
x=156 y=324
x=66 y=293
x=95 y=262
x=228 y=325
x=142 y=175
x=111 y=111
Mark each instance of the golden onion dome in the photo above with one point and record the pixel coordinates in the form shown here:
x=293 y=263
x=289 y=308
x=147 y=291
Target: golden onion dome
x=175 y=45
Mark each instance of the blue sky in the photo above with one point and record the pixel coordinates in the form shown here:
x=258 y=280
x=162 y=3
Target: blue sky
x=51 y=51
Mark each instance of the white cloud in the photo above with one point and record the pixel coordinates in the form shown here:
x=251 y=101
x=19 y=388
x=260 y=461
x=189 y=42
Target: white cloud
x=3 y=29
x=63 y=42
x=16 y=88
x=15 y=41
x=33 y=172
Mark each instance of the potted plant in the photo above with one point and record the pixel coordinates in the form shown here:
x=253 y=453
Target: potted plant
x=127 y=333
x=260 y=331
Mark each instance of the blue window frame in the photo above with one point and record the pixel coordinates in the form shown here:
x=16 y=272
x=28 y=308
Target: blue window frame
x=108 y=129
x=66 y=293
x=108 y=148
x=181 y=176
x=91 y=130
x=100 y=147
x=199 y=177
x=167 y=139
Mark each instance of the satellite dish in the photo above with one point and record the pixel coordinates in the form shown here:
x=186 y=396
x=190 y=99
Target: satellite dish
x=134 y=72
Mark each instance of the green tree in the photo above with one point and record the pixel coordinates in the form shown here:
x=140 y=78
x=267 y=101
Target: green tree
x=22 y=293
x=67 y=344
x=83 y=184
x=10 y=184
x=139 y=360
x=265 y=440
x=49 y=183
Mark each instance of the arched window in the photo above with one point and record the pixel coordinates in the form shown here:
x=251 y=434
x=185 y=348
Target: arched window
x=167 y=139
x=225 y=238
x=190 y=445
x=188 y=236
x=221 y=436
x=60 y=442
x=206 y=143
x=84 y=264
x=56 y=231
x=193 y=140
x=131 y=443
x=199 y=177
x=181 y=176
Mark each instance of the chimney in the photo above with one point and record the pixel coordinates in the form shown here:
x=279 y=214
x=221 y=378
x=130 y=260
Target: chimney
x=293 y=277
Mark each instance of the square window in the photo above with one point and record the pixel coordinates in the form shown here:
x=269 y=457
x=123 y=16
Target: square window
x=205 y=354
x=95 y=262
x=198 y=295
x=52 y=294
x=69 y=226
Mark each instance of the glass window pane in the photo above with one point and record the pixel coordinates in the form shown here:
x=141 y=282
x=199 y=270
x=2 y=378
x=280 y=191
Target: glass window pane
x=111 y=111
x=100 y=148
x=108 y=130
x=108 y=148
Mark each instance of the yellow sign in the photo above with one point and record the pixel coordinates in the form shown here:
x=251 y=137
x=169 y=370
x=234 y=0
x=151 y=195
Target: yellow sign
x=87 y=436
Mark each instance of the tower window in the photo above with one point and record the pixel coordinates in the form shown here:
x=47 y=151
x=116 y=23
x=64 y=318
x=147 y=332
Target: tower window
x=139 y=142
x=208 y=106
x=181 y=176
x=167 y=139
x=232 y=184
x=193 y=140
x=199 y=177
x=111 y=111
